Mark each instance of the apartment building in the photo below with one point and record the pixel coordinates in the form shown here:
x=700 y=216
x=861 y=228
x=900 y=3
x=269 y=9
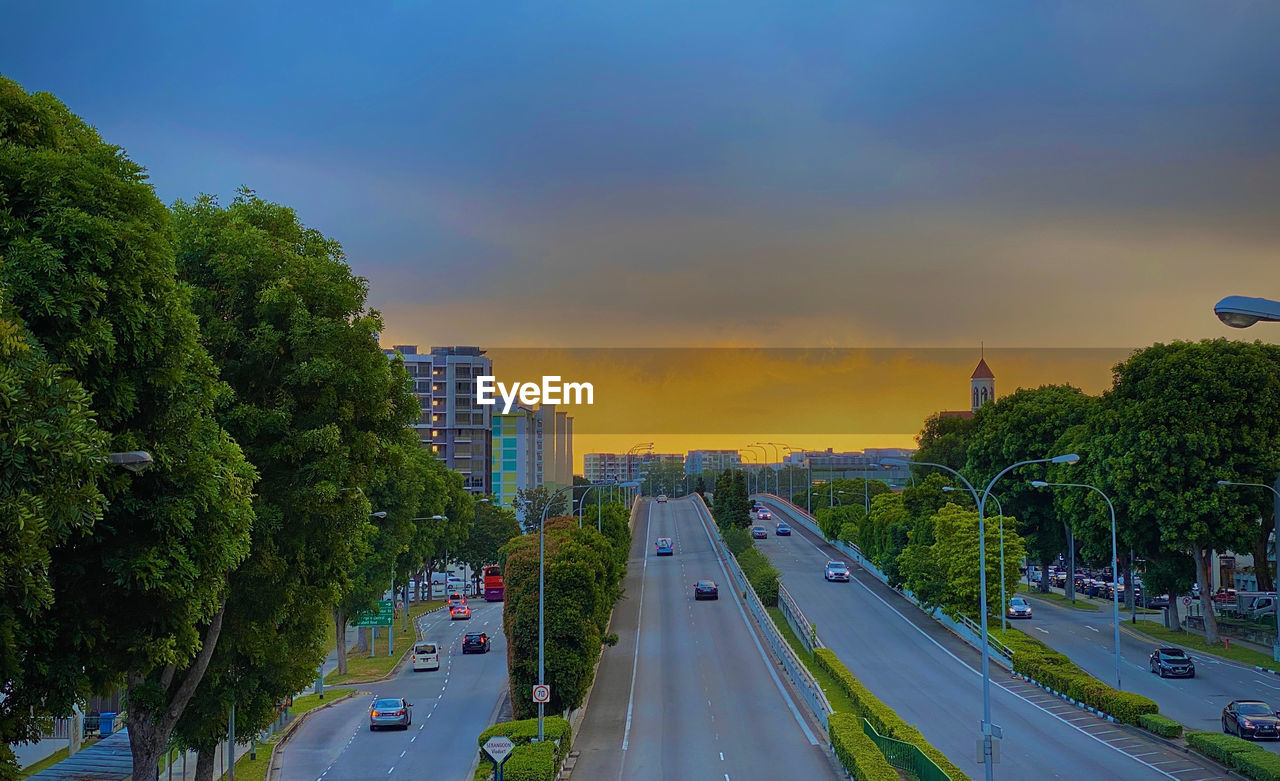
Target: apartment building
x=605 y=467
x=699 y=461
x=517 y=447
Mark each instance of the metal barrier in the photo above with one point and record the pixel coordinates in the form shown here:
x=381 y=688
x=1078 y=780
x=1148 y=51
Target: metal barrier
x=799 y=622
x=995 y=643
x=795 y=669
x=905 y=756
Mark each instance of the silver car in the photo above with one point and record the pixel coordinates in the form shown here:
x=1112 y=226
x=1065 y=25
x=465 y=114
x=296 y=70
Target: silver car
x=390 y=712
x=836 y=571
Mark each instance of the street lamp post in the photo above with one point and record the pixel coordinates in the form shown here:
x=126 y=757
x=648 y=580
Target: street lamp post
x=764 y=456
x=1275 y=490
x=989 y=730
x=1115 y=562
x=1004 y=600
x=542 y=536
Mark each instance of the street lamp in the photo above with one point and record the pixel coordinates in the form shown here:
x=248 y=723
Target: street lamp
x=763 y=458
x=133 y=460
x=1275 y=648
x=1242 y=311
x=988 y=729
x=1115 y=561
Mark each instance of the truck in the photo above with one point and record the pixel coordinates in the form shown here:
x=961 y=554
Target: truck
x=1255 y=604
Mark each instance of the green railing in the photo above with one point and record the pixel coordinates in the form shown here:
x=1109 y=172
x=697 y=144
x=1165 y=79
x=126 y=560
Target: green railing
x=905 y=756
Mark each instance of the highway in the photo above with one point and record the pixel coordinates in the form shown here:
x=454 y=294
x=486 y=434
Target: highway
x=688 y=692
x=1087 y=638
x=932 y=679
x=451 y=707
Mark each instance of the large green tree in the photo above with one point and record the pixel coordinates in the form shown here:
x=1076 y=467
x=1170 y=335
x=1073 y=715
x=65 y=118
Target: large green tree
x=494 y=527
x=1025 y=425
x=1178 y=418
x=86 y=262
x=533 y=503
x=945 y=440
x=945 y=574
x=314 y=402
x=51 y=454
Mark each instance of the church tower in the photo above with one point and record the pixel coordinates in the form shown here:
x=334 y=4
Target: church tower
x=982 y=385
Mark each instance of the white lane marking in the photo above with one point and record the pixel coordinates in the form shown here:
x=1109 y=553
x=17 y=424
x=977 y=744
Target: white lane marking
x=995 y=683
x=1038 y=629
x=721 y=756
x=393 y=767
x=786 y=696
x=635 y=658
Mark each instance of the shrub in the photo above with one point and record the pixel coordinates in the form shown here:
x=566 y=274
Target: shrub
x=1238 y=754
x=523 y=732
x=857 y=752
x=737 y=539
x=882 y=718
x=761 y=574
x=531 y=762
x=1161 y=725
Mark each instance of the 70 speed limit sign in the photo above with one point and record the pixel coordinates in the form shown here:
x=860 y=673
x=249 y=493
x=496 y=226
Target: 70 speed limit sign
x=542 y=693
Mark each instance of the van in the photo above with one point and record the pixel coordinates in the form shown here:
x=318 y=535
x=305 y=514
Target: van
x=426 y=656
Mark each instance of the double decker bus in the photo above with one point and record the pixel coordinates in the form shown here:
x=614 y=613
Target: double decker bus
x=492 y=583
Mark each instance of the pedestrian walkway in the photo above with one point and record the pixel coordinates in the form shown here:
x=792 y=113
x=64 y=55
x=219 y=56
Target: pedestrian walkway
x=107 y=760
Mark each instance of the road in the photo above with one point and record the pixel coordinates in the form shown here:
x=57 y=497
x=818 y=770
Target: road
x=931 y=678
x=688 y=692
x=1087 y=638
x=451 y=707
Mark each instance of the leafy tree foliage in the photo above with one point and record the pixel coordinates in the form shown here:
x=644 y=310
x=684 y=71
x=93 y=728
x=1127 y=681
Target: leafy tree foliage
x=51 y=453
x=730 y=506
x=946 y=573
x=494 y=527
x=532 y=503
x=945 y=440
x=315 y=404
x=86 y=261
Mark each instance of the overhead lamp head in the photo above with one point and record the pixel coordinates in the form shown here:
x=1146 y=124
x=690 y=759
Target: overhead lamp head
x=133 y=460
x=1069 y=458
x=1039 y=484
x=1243 y=311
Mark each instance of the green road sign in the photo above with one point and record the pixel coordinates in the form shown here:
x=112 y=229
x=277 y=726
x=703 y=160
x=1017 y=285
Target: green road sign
x=381 y=617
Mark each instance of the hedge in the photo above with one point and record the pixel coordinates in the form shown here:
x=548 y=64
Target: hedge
x=522 y=733
x=1238 y=754
x=1161 y=725
x=1046 y=666
x=882 y=718
x=857 y=752
x=761 y=574
x=531 y=762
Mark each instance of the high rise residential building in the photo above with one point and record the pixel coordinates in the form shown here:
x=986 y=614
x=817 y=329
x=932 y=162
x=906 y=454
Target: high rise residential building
x=453 y=425
x=517 y=453
x=699 y=461
x=557 y=447
x=606 y=467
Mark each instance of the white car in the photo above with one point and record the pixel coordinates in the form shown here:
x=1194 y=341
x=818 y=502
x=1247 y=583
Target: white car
x=426 y=656
x=836 y=571
x=1018 y=608
x=662 y=497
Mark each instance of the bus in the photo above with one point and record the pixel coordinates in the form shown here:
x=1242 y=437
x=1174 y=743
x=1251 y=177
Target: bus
x=492 y=583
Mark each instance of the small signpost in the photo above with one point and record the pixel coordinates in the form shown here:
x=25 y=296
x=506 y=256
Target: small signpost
x=1186 y=601
x=542 y=693
x=498 y=748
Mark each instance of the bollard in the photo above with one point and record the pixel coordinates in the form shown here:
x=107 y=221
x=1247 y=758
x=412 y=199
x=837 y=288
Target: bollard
x=1226 y=641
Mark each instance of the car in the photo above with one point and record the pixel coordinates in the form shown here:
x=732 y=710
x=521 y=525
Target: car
x=662 y=497
x=1158 y=602
x=456 y=599
x=759 y=533
x=475 y=642
x=782 y=530
x=390 y=712
x=1019 y=607
x=460 y=613
x=836 y=571
x=426 y=656
x=1172 y=663
x=664 y=547
x=706 y=589
x=764 y=515
x=1250 y=719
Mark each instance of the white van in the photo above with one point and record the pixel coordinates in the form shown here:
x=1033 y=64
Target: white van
x=426 y=656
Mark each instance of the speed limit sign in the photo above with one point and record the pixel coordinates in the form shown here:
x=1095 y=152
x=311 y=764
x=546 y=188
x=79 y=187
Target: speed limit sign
x=542 y=693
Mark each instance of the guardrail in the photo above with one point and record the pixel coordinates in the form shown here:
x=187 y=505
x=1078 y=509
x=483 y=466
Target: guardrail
x=905 y=756
x=800 y=623
x=795 y=669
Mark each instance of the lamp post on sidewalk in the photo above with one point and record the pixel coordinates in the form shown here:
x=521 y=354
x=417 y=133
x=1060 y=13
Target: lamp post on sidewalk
x=989 y=730
x=1115 y=562
x=1275 y=647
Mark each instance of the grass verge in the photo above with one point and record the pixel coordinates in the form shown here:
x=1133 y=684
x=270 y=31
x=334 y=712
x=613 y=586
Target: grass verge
x=1195 y=642
x=840 y=702
x=1081 y=603
x=362 y=668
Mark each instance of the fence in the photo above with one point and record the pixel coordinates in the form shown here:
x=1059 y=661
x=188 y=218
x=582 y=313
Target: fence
x=800 y=624
x=795 y=669
x=905 y=756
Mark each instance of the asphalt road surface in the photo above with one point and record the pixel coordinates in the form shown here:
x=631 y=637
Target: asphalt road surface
x=451 y=707
x=1087 y=637
x=933 y=680
x=688 y=692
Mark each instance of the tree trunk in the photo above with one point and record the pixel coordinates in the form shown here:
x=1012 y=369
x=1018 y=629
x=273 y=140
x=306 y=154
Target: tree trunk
x=1206 y=594
x=340 y=632
x=1175 y=620
x=362 y=638
x=1128 y=586
x=204 y=766
x=1262 y=567
x=1044 y=573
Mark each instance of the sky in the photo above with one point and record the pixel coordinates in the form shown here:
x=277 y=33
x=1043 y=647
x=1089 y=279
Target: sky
x=722 y=174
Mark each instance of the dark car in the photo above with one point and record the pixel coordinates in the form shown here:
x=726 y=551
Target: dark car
x=759 y=533
x=1250 y=719
x=782 y=530
x=1160 y=601
x=390 y=712
x=706 y=589
x=475 y=642
x=1172 y=663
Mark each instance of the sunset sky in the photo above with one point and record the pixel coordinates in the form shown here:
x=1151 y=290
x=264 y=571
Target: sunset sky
x=728 y=174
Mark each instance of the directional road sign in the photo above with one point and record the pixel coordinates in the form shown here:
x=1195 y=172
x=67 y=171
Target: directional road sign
x=381 y=617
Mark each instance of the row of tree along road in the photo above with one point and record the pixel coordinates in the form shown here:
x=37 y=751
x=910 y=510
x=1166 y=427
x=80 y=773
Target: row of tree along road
x=236 y=347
